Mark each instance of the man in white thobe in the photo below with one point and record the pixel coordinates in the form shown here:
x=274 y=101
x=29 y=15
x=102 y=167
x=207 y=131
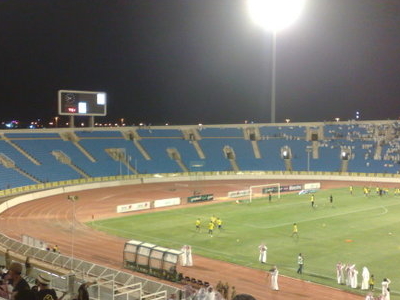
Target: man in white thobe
x=342 y=272
x=210 y=293
x=365 y=279
x=385 y=289
x=349 y=274
x=354 y=278
x=189 y=259
x=339 y=272
x=183 y=256
x=369 y=296
x=274 y=272
x=263 y=253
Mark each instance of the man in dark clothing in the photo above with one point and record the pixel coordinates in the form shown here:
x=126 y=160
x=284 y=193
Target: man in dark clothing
x=44 y=291
x=300 y=261
x=19 y=284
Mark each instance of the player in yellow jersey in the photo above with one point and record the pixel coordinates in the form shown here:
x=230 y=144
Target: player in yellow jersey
x=210 y=228
x=198 y=224
x=219 y=223
x=295 y=230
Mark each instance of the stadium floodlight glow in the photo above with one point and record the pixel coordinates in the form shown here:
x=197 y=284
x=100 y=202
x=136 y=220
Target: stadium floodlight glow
x=275 y=15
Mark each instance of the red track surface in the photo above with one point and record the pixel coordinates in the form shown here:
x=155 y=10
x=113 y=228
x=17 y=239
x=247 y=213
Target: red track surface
x=49 y=219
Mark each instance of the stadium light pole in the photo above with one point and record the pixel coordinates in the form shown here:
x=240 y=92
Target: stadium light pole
x=308 y=150
x=274 y=16
x=73 y=199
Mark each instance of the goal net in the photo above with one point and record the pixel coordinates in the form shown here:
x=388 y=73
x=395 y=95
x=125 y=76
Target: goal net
x=264 y=190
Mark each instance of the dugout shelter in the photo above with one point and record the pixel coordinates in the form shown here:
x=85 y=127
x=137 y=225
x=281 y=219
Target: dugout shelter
x=152 y=259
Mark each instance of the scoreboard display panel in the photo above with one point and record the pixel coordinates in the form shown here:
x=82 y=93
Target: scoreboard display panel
x=82 y=103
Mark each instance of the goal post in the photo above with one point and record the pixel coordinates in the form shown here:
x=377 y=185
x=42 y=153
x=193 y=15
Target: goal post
x=261 y=191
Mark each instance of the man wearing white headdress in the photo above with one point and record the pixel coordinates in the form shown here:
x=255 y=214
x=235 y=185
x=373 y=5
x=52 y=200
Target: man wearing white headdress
x=365 y=279
x=339 y=273
x=189 y=259
x=184 y=256
x=263 y=253
x=202 y=293
x=385 y=289
x=347 y=271
x=354 y=277
x=274 y=273
x=369 y=296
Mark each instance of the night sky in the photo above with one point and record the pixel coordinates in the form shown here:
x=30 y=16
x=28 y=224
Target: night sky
x=200 y=61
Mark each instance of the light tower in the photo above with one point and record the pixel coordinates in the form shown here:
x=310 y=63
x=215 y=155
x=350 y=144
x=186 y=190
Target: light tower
x=274 y=16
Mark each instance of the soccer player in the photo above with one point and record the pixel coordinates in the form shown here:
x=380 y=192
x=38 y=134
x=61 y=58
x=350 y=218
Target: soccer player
x=211 y=228
x=351 y=190
x=371 y=282
x=295 y=230
x=219 y=223
x=198 y=224
x=312 y=199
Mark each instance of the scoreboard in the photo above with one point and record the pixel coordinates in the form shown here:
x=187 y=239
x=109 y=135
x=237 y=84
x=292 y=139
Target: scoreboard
x=82 y=103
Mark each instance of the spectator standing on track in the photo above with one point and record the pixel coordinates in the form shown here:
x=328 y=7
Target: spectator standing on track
x=189 y=258
x=184 y=256
x=274 y=273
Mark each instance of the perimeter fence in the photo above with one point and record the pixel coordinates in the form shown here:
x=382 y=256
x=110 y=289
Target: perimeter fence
x=69 y=273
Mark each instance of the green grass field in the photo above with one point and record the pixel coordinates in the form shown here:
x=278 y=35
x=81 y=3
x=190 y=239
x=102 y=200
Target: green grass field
x=356 y=229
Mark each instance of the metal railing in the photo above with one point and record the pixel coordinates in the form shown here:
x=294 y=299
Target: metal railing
x=109 y=283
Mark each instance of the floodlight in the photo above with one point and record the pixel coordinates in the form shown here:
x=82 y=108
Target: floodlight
x=275 y=15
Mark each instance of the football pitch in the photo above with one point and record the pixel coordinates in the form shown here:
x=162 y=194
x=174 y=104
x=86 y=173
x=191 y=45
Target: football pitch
x=354 y=229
